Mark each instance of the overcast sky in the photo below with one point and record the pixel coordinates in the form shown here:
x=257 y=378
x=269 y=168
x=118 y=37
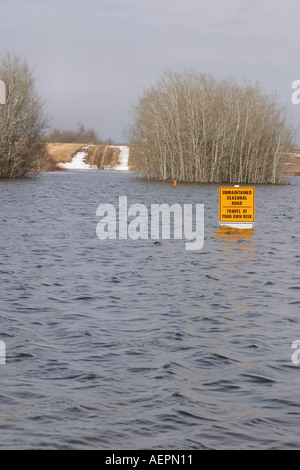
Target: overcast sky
x=93 y=58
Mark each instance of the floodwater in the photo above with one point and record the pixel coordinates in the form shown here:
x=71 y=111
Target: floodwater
x=141 y=344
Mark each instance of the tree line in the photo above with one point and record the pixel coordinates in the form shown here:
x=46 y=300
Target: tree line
x=194 y=128
x=79 y=136
x=23 y=119
x=188 y=126
x=24 y=122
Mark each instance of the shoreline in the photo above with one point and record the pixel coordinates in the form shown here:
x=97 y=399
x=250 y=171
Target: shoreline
x=87 y=157
x=293 y=163
x=117 y=157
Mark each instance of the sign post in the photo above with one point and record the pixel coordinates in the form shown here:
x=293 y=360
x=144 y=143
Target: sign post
x=2 y=92
x=237 y=206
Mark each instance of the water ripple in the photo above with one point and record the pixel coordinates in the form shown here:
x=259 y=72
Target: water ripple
x=140 y=344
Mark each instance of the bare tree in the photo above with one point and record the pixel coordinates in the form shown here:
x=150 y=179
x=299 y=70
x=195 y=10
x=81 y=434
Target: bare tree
x=80 y=136
x=22 y=120
x=194 y=128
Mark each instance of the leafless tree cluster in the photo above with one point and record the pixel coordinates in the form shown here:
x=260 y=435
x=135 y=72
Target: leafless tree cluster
x=22 y=121
x=191 y=127
x=80 y=136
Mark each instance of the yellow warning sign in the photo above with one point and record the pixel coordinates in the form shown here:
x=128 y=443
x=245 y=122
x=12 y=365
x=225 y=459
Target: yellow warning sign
x=236 y=204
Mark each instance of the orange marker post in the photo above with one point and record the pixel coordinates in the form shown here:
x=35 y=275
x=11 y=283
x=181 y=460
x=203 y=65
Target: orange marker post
x=175 y=183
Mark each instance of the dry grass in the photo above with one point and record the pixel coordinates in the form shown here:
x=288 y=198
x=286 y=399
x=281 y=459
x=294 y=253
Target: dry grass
x=63 y=153
x=292 y=166
x=100 y=155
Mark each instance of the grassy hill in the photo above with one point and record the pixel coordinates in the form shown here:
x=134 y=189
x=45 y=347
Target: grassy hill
x=103 y=155
x=100 y=155
x=293 y=163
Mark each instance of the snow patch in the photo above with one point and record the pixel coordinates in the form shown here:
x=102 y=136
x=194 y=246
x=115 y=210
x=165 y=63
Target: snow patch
x=123 y=157
x=78 y=162
x=294 y=154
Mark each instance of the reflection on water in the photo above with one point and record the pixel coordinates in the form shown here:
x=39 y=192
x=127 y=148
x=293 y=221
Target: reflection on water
x=140 y=344
x=235 y=272
x=233 y=234
x=236 y=246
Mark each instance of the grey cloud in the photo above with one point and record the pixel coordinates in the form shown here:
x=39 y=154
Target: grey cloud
x=92 y=59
